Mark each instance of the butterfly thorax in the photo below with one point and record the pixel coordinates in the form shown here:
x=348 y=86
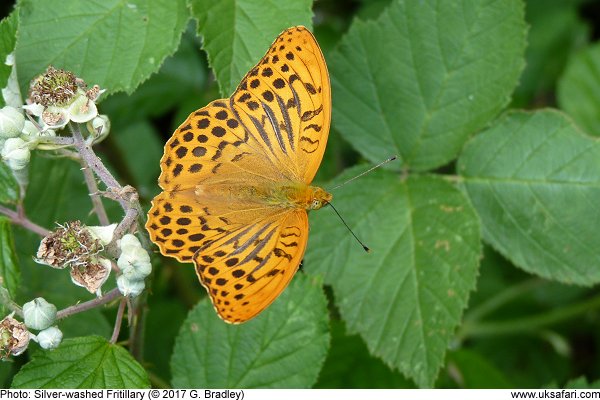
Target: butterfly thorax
x=299 y=195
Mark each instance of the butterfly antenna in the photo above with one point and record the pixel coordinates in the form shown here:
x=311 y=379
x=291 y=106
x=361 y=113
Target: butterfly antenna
x=392 y=158
x=368 y=250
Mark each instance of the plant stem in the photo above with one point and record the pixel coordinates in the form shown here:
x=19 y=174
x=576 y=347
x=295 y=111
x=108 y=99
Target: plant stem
x=90 y=181
x=22 y=220
x=119 y=321
x=531 y=322
x=92 y=160
x=88 y=305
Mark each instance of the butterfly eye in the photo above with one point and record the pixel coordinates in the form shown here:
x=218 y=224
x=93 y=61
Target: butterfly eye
x=316 y=203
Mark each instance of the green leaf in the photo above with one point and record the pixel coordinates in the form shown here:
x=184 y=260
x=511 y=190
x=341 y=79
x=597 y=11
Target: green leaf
x=180 y=77
x=8 y=35
x=284 y=347
x=237 y=33
x=116 y=44
x=577 y=89
x=9 y=188
x=9 y=263
x=426 y=75
x=82 y=363
x=406 y=297
x=534 y=180
x=350 y=366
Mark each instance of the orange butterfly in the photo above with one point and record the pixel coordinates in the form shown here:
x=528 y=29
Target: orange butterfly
x=236 y=179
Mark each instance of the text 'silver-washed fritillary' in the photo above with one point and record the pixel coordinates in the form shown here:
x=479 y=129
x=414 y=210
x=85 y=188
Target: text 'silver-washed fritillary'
x=236 y=179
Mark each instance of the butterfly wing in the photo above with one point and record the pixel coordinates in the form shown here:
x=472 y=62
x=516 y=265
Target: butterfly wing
x=286 y=98
x=247 y=269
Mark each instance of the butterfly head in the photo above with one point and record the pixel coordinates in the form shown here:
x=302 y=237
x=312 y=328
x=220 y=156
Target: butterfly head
x=319 y=198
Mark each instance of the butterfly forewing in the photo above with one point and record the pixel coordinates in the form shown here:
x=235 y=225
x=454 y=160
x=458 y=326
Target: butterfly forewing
x=221 y=166
x=286 y=98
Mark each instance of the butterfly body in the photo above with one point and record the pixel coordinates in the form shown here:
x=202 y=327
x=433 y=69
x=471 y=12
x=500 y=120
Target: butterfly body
x=236 y=178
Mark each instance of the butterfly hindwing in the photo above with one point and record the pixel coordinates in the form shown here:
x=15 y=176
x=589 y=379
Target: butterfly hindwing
x=246 y=269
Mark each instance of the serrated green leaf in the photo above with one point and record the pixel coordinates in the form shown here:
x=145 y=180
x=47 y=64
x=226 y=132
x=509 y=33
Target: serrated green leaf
x=82 y=363
x=426 y=75
x=9 y=188
x=8 y=37
x=9 y=264
x=238 y=32
x=534 y=179
x=577 y=89
x=180 y=77
x=116 y=44
x=406 y=297
x=284 y=347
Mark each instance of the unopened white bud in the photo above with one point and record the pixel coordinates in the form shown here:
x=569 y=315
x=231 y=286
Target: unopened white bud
x=134 y=261
x=130 y=288
x=39 y=314
x=11 y=122
x=129 y=241
x=49 y=338
x=99 y=128
x=15 y=153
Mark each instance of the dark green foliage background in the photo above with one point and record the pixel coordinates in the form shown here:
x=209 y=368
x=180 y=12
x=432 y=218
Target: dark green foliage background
x=484 y=234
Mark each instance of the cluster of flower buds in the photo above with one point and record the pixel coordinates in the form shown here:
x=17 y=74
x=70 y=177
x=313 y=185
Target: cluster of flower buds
x=134 y=263
x=38 y=315
x=81 y=247
x=56 y=98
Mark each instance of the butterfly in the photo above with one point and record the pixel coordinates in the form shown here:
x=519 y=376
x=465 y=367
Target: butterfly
x=236 y=179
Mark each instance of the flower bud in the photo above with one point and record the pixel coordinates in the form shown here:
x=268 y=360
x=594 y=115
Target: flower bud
x=11 y=122
x=30 y=131
x=103 y=233
x=49 y=338
x=14 y=337
x=15 y=153
x=129 y=242
x=39 y=314
x=131 y=288
x=99 y=128
x=134 y=261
